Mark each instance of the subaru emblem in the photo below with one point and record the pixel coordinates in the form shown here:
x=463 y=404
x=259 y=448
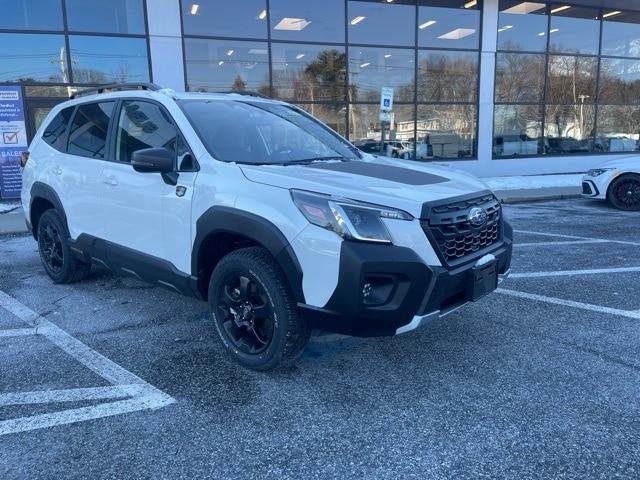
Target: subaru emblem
x=477 y=217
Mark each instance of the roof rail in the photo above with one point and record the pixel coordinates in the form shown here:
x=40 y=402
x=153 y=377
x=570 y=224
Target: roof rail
x=115 y=87
x=248 y=93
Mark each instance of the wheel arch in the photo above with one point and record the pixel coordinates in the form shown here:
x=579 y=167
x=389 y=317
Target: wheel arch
x=43 y=198
x=621 y=175
x=221 y=230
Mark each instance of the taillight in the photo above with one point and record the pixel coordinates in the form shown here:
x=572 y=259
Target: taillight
x=24 y=158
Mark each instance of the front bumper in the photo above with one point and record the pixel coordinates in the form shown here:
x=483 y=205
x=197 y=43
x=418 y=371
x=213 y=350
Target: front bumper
x=589 y=188
x=411 y=292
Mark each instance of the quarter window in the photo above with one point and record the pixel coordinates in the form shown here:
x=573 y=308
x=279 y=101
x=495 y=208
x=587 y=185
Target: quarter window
x=88 y=135
x=55 y=132
x=147 y=125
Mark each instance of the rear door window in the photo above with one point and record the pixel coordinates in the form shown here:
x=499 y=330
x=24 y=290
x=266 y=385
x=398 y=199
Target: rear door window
x=55 y=133
x=88 y=134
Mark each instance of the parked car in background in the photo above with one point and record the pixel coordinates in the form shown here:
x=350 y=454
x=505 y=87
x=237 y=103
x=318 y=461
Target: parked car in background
x=560 y=145
x=395 y=148
x=505 y=145
x=392 y=148
x=368 y=146
x=617 y=181
x=616 y=144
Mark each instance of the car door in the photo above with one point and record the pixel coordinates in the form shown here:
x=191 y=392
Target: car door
x=80 y=169
x=143 y=205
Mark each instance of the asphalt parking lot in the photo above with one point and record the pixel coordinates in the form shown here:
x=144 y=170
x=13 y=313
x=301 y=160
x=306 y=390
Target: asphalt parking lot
x=111 y=378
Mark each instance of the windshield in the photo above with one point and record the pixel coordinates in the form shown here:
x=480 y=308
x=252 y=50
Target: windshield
x=263 y=133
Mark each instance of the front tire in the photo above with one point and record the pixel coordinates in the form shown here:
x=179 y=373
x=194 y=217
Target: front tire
x=624 y=192
x=254 y=311
x=53 y=246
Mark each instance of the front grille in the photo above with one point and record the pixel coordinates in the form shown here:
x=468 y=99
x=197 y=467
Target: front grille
x=586 y=188
x=454 y=237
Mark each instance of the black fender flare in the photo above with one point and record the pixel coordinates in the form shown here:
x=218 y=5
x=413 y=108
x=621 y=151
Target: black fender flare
x=222 y=219
x=41 y=190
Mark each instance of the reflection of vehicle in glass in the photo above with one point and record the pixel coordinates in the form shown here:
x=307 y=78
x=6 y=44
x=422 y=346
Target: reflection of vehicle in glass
x=566 y=145
x=616 y=144
x=516 y=144
x=617 y=181
x=368 y=145
x=395 y=149
x=263 y=211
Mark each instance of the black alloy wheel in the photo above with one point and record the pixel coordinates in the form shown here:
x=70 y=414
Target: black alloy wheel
x=247 y=315
x=51 y=248
x=254 y=311
x=624 y=192
x=55 y=252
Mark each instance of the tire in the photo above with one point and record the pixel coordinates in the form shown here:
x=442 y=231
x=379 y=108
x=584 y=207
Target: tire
x=55 y=254
x=624 y=192
x=254 y=311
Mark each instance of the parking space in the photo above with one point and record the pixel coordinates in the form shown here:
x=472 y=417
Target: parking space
x=111 y=378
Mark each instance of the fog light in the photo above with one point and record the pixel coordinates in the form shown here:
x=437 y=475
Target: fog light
x=377 y=290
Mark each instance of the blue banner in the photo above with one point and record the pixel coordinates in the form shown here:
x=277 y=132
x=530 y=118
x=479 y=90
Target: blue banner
x=13 y=140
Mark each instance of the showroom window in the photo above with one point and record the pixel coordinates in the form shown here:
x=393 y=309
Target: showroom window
x=223 y=18
x=447 y=79
x=73 y=42
x=332 y=58
x=567 y=80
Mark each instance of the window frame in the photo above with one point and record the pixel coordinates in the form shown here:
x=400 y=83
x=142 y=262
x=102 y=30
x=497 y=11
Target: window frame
x=348 y=44
x=66 y=32
x=107 y=149
x=65 y=137
x=542 y=104
x=113 y=137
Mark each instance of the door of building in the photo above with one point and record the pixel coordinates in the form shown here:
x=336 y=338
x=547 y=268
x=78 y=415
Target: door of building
x=36 y=110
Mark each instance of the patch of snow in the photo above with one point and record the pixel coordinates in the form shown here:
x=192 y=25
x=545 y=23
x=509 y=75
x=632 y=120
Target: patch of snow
x=530 y=182
x=6 y=207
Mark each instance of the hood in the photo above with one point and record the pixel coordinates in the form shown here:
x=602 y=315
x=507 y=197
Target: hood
x=383 y=181
x=627 y=162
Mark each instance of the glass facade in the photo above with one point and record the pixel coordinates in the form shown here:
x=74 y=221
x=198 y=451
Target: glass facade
x=567 y=77
x=75 y=42
x=567 y=80
x=331 y=58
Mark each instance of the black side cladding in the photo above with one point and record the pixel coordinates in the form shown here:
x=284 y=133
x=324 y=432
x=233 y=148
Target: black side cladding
x=221 y=219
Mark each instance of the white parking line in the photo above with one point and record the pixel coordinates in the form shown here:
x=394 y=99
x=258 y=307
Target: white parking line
x=575 y=237
x=562 y=273
x=17 y=332
x=75 y=415
x=565 y=242
x=71 y=395
x=124 y=383
x=570 y=303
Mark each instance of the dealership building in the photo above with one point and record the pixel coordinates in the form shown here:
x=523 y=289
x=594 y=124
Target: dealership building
x=494 y=87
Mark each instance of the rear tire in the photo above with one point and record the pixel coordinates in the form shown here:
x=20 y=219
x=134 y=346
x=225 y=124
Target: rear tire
x=624 y=192
x=55 y=254
x=254 y=311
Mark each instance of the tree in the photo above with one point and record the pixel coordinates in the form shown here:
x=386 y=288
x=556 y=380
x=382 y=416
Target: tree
x=238 y=85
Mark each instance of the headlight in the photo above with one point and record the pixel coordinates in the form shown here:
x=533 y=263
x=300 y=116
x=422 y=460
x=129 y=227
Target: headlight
x=595 y=172
x=347 y=218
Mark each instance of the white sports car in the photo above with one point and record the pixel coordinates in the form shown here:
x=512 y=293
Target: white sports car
x=617 y=181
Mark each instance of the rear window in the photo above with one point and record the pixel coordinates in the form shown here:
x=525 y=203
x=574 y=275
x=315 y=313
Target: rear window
x=55 y=133
x=88 y=134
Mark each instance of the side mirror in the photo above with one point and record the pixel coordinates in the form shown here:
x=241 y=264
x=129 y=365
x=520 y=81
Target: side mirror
x=153 y=160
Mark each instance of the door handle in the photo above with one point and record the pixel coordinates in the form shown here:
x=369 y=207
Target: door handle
x=57 y=170
x=110 y=180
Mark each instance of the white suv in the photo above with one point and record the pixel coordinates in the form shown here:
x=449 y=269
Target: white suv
x=256 y=207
